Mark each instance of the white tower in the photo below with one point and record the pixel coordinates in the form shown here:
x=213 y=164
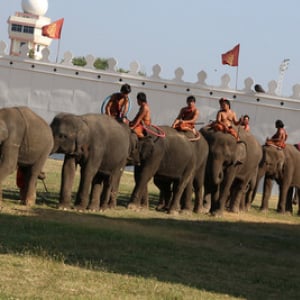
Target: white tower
x=26 y=28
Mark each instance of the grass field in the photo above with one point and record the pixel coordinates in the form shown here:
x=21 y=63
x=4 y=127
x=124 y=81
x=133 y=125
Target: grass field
x=46 y=253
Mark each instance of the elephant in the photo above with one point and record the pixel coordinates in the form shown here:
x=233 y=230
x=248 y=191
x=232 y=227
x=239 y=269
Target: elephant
x=231 y=168
x=280 y=165
x=102 y=147
x=176 y=163
x=25 y=142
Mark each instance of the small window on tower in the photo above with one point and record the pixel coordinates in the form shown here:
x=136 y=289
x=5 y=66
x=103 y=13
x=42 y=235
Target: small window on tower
x=16 y=27
x=28 y=29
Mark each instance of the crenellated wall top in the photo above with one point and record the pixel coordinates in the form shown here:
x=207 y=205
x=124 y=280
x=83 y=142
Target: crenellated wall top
x=134 y=71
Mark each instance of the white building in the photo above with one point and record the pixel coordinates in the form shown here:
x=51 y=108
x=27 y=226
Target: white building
x=25 y=28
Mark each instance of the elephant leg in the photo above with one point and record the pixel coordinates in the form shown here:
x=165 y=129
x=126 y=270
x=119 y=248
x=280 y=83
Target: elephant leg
x=232 y=203
x=29 y=192
x=142 y=177
x=97 y=187
x=214 y=195
x=211 y=193
x=33 y=172
x=238 y=199
x=115 y=190
x=105 y=194
x=250 y=194
x=164 y=186
x=145 y=198
x=289 y=200
x=186 y=199
x=237 y=196
x=198 y=184
x=267 y=189
x=224 y=195
x=178 y=189
x=22 y=175
x=282 y=198
x=67 y=180
x=87 y=173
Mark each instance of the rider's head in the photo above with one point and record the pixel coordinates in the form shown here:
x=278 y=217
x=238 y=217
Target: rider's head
x=141 y=97
x=125 y=89
x=224 y=100
x=190 y=99
x=279 y=124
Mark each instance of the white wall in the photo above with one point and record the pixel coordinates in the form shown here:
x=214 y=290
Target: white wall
x=49 y=88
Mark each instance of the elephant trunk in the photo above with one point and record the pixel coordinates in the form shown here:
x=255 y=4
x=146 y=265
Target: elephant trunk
x=217 y=172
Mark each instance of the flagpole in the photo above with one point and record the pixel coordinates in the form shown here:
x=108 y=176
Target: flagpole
x=57 y=51
x=236 y=77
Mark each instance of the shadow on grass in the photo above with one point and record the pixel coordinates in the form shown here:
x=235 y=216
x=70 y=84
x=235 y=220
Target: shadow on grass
x=249 y=260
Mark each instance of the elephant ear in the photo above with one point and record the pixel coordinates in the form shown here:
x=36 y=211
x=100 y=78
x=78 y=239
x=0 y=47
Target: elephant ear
x=240 y=153
x=133 y=151
x=82 y=137
x=146 y=147
x=3 y=131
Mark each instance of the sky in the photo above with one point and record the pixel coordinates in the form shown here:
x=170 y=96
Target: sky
x=191 y=34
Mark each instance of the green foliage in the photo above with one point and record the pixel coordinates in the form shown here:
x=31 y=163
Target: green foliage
x=101 y=63
x=31 y=53
x=79 y=61
x=121 y=70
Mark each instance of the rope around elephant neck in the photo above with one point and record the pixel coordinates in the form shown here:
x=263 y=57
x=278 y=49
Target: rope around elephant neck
x=159 y=132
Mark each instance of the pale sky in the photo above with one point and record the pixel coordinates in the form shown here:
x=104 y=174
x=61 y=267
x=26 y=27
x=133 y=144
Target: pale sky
x=191 y=34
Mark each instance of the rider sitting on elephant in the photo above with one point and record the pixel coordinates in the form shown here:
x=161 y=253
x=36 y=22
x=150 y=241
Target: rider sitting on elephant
x=245 y=122
x=280 y=137
x=225 y=119
x=118 y=104
x=143 y=117
x=187 y=116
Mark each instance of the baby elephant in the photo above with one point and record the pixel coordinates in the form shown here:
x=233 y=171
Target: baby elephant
x=25 y=143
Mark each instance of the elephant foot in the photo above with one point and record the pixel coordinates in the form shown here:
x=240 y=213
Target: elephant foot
x=29 y=203
x=80 y=208
x=263 y=209
x=248 y=207
x=201 y=210
x=112 y=205
x=217 y=213
x=161 y=208
x=186 y=212
x=234 y=210
x=281 y=211
x=93 y=208
x=103 y=208
x=133 y=206
x=64 y=206
x=173 y=212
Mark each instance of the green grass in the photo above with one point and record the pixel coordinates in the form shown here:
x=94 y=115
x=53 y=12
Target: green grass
x=47 y=253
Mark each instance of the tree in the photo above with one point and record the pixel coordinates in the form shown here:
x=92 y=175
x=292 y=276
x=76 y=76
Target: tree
x=79 y=61
x=101 y=63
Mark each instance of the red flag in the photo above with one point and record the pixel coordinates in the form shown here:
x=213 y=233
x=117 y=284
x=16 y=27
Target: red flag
x=53 y=30
x=231 y=57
